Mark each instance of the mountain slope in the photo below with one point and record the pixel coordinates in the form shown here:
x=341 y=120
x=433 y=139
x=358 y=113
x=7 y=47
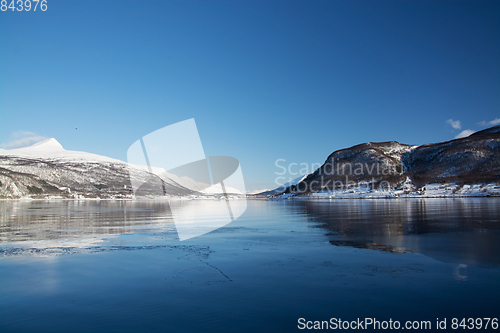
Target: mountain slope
x=368 y=163
x=471 y=160
x=399 y=169
x=281 y=188
x=46 y=169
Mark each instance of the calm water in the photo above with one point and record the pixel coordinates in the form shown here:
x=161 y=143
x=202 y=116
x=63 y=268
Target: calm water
x=117 y=266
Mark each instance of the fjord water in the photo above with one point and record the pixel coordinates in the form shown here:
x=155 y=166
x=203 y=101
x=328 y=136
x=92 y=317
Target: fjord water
x=118 y=266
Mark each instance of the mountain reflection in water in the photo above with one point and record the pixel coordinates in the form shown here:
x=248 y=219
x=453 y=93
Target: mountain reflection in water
x=22 y=221
x=465 y=231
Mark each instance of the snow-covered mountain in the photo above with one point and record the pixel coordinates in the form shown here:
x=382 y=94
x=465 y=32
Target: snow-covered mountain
x=189 y=183
x=51 y=149
x=258 y=191
x=281 y=188
x=47 y=169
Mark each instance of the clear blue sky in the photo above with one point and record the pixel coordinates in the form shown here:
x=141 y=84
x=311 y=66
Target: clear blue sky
x=265 y=80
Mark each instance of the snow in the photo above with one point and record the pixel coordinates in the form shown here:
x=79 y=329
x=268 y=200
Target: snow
x=435 y=190
x=52 y=149
x=187 y=182
x=258 y=191
x=217 y=189
x=45 y=145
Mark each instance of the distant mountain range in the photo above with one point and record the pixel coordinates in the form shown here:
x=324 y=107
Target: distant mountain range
x=461 y=167
x=46 y=169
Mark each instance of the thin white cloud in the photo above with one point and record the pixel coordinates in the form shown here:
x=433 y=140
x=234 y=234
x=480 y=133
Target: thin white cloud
x=21 y=134
x=465 y=133
x=493 y=122
x=454 y=123
x=21 y=139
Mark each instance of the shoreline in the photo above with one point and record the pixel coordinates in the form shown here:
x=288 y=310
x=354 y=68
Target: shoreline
x=256 y=198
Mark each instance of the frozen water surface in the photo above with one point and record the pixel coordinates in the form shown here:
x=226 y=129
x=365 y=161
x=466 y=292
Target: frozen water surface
x=118 y=266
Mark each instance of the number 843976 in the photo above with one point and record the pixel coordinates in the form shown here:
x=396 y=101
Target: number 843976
x=20 y=5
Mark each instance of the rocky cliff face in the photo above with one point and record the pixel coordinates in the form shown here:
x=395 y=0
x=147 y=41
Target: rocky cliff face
x=391 y=166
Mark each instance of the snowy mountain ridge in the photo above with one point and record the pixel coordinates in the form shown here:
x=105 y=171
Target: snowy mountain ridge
x=51 y=149
x=46 y=169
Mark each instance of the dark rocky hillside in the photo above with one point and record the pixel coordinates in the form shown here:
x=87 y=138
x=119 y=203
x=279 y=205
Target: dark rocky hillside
x=391 y=165
x=372 y=164
x=471 y=160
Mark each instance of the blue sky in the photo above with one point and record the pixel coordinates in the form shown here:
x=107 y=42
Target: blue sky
x=265 y=80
